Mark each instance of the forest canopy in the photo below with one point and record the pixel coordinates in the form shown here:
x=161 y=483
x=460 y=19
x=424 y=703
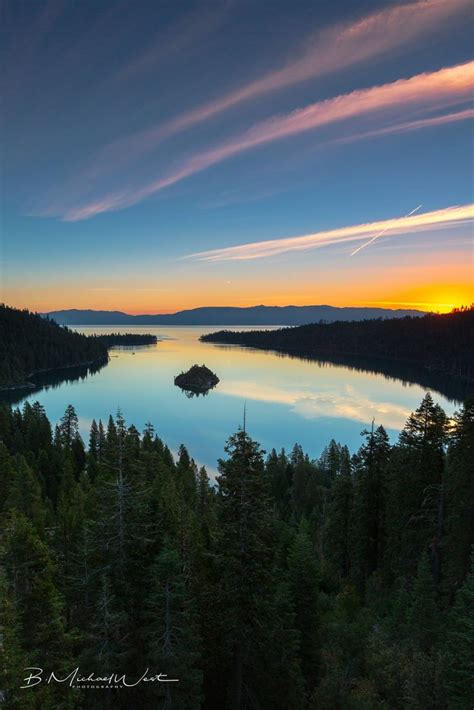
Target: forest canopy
x=31 y=343
x=443 y=343
x=292 y=582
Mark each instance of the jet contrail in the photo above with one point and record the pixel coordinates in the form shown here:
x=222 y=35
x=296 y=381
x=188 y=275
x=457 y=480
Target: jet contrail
x=379 y=234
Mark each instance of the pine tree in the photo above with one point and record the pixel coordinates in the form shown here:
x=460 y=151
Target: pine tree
x=6 y=474
x=94 y=440
x=107 y=630
x=370 y=494
x=460 y=647
x=24 y=494
x=245 y=562
x=415 y=491
x=68 y=429
x=101 y=442
x=423 y=617
x=93 y=452
x=37 y=429
x=282 y=679
x=304 y=579
x=187 y=474
x=330 y=460
x=70 y=521
x=459 y=487
x=37 y=605
x=279 y=474
x=337 y=533
x=172 y=633
x=14 y=659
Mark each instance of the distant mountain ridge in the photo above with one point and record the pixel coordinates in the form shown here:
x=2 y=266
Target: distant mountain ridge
x=223 y=315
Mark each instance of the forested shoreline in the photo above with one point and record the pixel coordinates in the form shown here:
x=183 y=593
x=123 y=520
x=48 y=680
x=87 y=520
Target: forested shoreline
x=337 y=582
x=31 y=344
x=441 y=343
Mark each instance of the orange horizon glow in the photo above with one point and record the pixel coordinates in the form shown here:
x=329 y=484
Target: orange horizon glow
x=440 y=298
x=432 y=279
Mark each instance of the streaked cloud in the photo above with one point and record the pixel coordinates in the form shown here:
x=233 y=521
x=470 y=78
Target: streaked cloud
x=187 y=31
x=384 y=103
x=407 y=126
x=449 y=216
x=323 y=53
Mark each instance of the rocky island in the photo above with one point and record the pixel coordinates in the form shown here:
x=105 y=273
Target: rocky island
x=199 y=379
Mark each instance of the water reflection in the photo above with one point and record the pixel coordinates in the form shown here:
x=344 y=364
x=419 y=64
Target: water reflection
x=407 y=374
x=53 y=379
x=195 y=393
x=289 y=399
x=349 y=403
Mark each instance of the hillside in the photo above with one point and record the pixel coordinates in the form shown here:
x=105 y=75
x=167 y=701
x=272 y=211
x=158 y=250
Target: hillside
x=222 y=315
x=444 y=343
x=30 y=343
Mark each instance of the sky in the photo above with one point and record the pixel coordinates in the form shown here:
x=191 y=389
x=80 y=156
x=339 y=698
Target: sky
x=157 y=156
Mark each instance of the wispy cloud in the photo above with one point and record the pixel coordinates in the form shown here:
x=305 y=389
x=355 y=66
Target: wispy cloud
x=188 y=30
x=449 y=216
x=387 y=102
x=406 y=126
x=325 y=52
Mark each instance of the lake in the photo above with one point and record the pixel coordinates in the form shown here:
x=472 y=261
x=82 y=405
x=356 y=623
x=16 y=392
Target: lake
x=287 y=399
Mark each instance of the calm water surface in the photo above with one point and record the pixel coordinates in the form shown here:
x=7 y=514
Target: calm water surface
x=288 y=400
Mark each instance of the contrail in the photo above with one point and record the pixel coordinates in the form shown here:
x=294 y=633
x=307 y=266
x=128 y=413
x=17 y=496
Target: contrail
x=379 y=234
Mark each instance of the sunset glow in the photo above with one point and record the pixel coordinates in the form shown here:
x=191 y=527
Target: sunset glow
x=333 y=165
x=236 y=354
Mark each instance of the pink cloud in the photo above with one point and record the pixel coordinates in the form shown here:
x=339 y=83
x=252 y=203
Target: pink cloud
x=427 y=91
x=325 y=52
x=406 y=126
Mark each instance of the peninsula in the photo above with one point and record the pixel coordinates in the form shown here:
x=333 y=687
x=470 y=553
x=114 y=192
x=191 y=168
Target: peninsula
x=31 y=344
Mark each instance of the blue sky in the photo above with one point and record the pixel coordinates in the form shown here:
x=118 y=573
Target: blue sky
x=136 y=134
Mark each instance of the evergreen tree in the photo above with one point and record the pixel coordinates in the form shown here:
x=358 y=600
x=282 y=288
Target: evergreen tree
x=303 y=574
x=172 y=633
x=423 y=617
x=415 y=491
x=107 y=630
x=68 y=429
x=70 y=521
x=37 y=605
x=279 y=473
x=14 y=659
x=460 y=647
x=94 y=440
x=187 y=474
x=337 y=533
x=24 y=494
x=137 y=560
x=370 y=494
x=245 y=549
x=459 y=488
x=282 y=678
